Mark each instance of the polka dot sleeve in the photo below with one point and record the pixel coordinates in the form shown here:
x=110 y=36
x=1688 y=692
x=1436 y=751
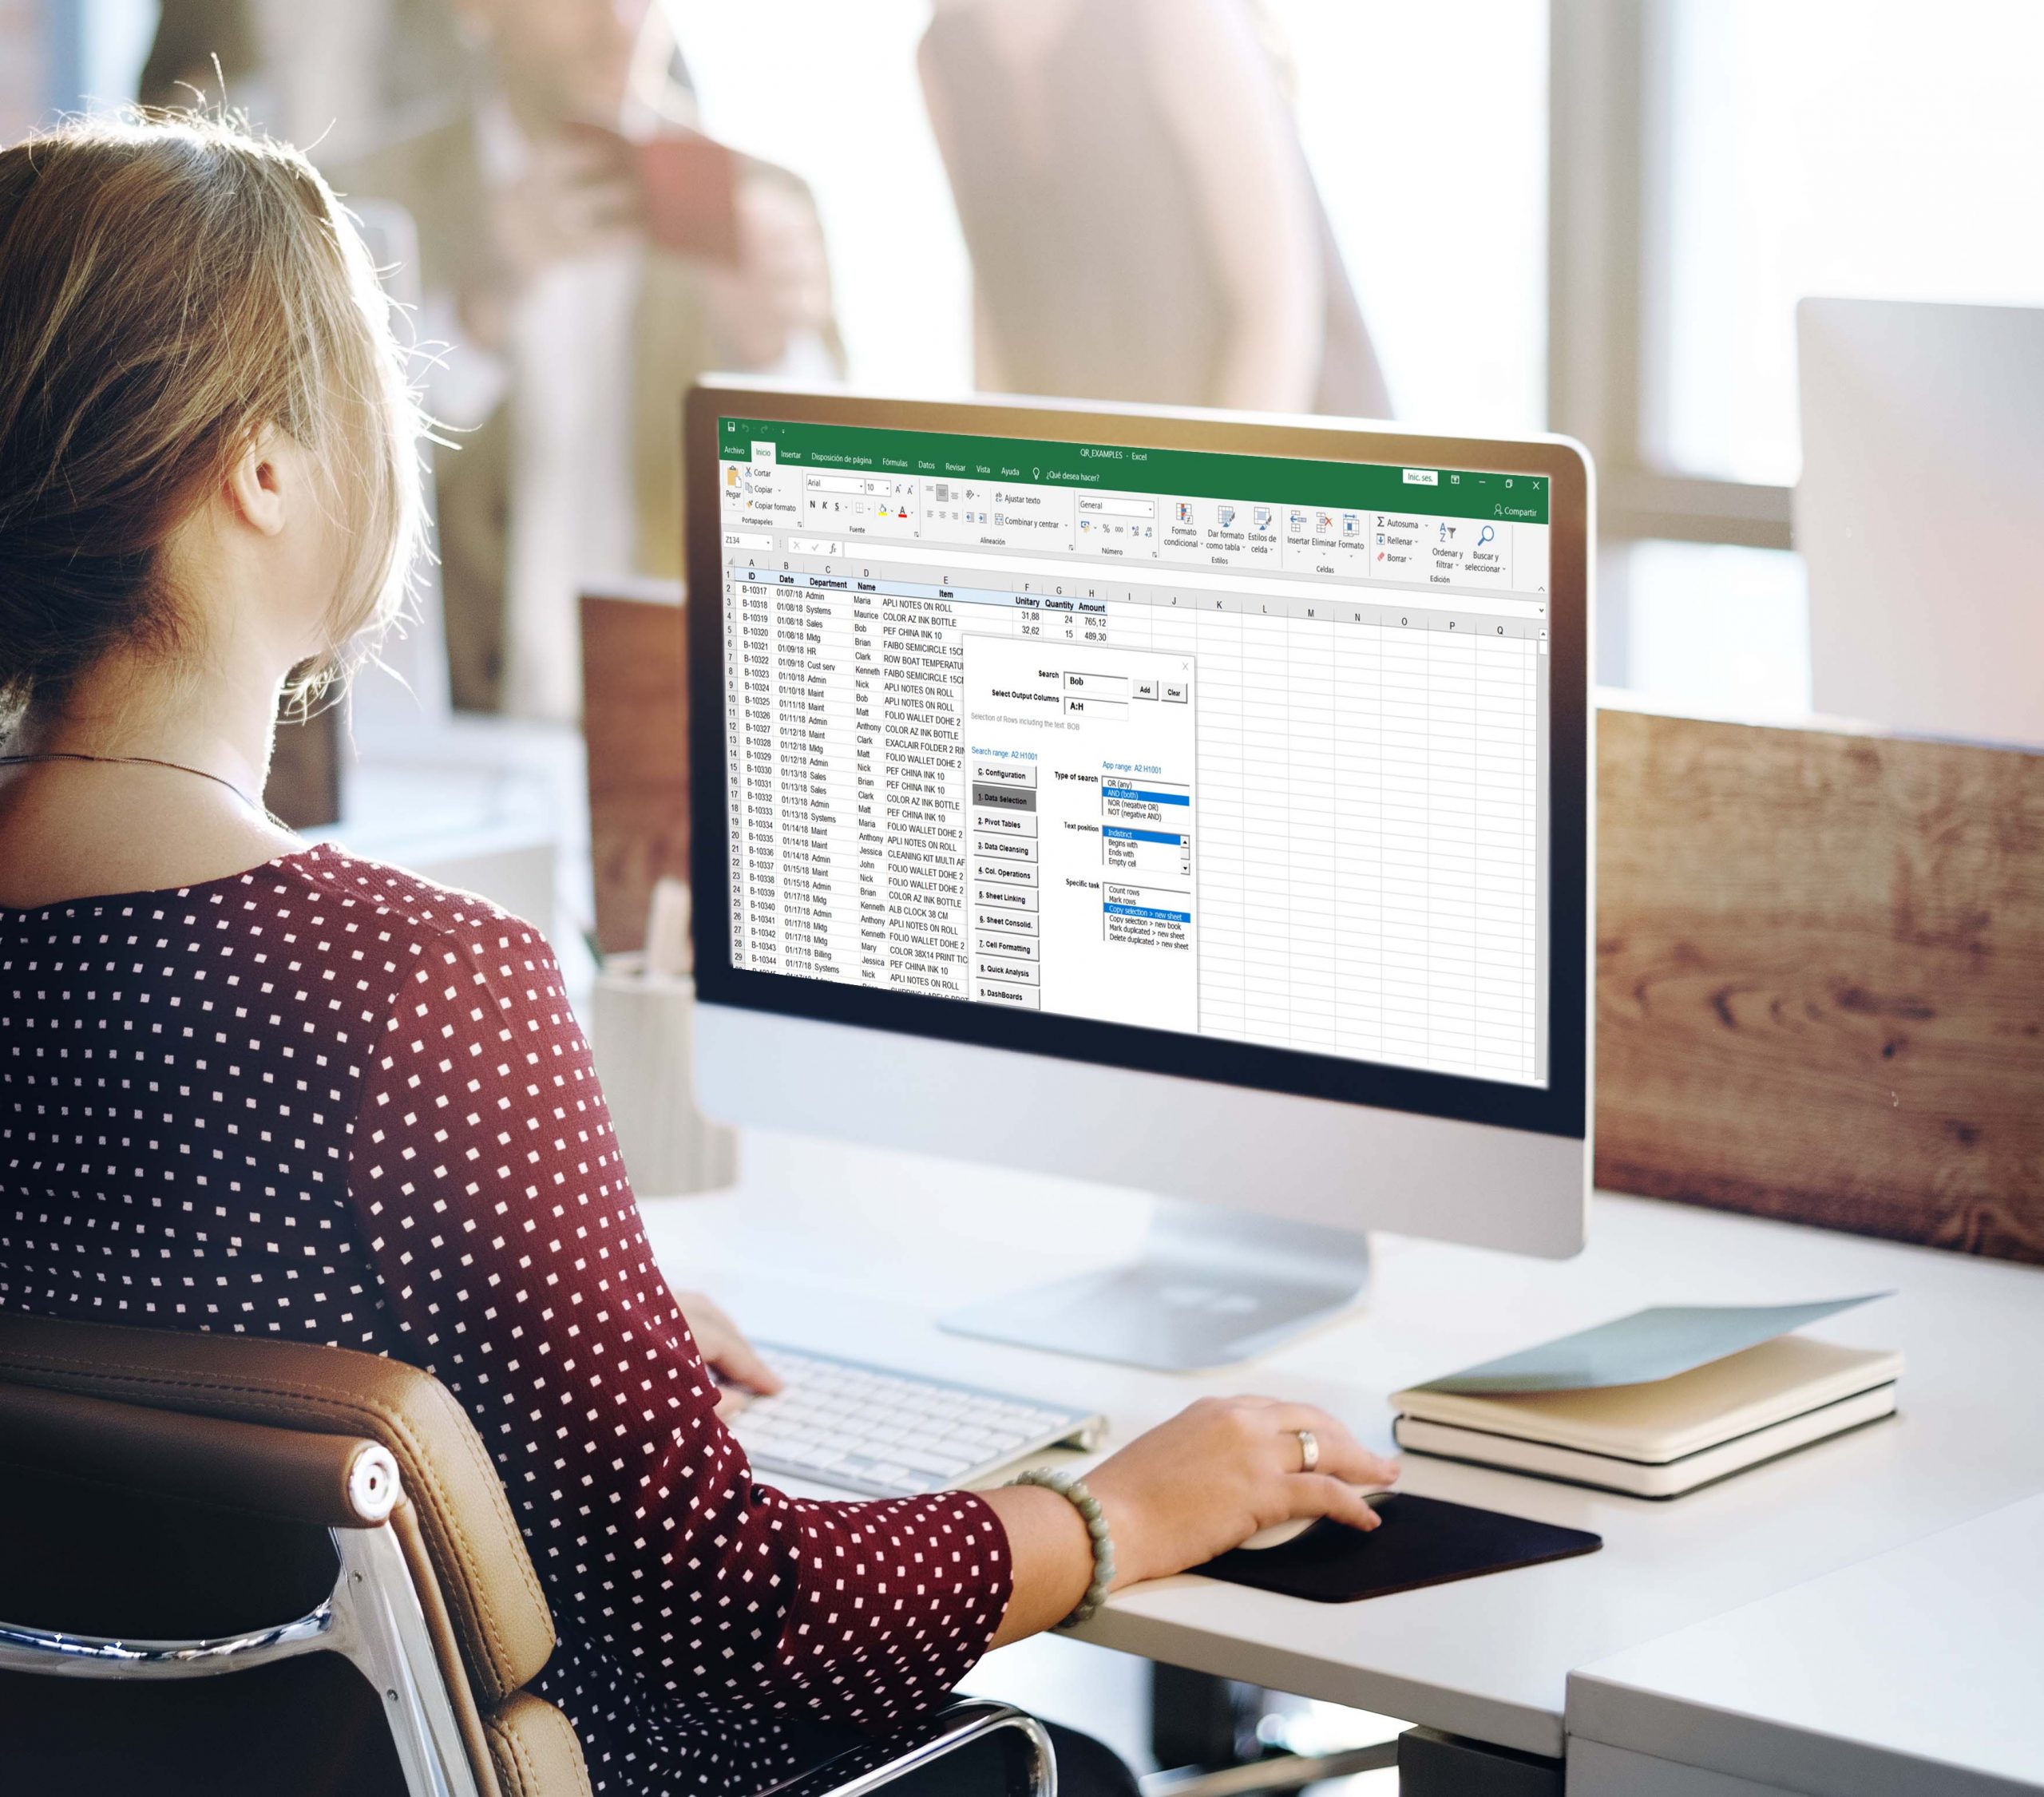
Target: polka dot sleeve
x=514 y=1266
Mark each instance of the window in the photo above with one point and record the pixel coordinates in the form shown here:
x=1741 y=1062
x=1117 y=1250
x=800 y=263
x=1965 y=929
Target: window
x=846 y=114
x=1835 y=147
x=1424 y=129
x=94 y=50
x=1712 y=162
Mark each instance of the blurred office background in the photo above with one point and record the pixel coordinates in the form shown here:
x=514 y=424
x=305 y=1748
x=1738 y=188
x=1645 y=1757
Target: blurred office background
x=1592 y=216
x=1596 y=217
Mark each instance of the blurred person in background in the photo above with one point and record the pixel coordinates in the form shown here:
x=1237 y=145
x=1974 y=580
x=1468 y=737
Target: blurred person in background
x=1142 y=222
x=576 y=280
x=326 y=75
x=204 y=52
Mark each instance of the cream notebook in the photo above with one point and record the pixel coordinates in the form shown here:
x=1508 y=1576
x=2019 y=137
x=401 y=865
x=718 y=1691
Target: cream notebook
x=1667 y=1435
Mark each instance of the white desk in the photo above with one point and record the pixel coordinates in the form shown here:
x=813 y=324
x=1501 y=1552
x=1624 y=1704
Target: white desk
x=1918 y=1674
x=859 y=1252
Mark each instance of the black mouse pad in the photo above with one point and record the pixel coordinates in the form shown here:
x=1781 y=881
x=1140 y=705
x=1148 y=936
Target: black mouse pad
x=1421 y=1541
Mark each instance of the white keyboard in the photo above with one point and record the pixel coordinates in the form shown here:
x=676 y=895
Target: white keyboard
x=893 y=1434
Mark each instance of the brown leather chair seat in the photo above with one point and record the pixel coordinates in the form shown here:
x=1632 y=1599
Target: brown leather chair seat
x=169 y=1497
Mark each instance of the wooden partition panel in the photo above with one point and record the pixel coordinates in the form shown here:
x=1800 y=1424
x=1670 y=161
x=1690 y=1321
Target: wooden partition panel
x=634 y=719
x=1820 y=979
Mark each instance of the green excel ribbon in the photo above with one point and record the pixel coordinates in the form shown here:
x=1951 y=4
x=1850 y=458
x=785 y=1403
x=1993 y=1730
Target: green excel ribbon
x=1279 y=481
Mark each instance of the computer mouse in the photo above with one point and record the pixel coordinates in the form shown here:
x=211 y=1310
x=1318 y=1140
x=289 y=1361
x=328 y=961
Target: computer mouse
x=1280 y=1532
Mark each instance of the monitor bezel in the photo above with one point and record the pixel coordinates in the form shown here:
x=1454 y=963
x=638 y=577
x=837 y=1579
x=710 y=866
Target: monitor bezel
x=1558 y=1109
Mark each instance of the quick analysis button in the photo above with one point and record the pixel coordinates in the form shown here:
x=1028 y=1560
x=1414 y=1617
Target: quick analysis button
x=1013 y=972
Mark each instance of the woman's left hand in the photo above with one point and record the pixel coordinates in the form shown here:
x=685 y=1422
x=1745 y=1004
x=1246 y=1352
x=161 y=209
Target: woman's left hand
x=727 y=1353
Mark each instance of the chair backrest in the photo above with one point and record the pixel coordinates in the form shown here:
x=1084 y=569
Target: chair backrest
x=281 y=1429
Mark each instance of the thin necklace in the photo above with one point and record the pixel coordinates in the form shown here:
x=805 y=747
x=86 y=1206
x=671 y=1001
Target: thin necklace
x=131 y=760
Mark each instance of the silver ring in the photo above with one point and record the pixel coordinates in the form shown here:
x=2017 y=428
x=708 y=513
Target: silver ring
x=1309 y=1450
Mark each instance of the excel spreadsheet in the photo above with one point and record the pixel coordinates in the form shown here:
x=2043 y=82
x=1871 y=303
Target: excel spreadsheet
x=1248 y=747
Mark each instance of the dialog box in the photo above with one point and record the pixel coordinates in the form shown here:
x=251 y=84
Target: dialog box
x=1081 y=786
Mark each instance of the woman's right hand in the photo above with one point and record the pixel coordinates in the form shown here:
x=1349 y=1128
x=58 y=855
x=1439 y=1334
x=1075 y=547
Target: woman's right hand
x=1219 y=1471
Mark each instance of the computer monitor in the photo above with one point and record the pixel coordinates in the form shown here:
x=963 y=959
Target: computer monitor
x=1193 y=803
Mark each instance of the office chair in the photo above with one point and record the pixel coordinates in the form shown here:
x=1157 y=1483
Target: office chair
x=166 y=1493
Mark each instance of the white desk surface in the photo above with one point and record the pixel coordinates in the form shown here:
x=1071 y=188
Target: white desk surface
x=1919 y=1672
x=858 y=1252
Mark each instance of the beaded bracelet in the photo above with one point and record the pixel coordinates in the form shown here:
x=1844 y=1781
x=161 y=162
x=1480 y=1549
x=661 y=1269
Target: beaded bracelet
x=1074 y=1492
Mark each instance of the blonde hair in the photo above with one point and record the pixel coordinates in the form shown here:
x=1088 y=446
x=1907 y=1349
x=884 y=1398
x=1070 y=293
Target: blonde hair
x=169 y=286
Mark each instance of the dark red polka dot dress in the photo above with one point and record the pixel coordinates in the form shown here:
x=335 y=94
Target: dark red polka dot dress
x=326 y=1101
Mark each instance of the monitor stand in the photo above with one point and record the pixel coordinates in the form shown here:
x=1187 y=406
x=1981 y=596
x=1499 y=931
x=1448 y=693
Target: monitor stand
x=1211 y=1287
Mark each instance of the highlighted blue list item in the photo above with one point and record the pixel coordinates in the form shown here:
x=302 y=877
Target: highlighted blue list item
x=1145 y=797
x=1154 y=916
x=1121 y=832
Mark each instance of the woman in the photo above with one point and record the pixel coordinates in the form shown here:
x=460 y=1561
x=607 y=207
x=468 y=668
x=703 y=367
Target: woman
x=250 y=1085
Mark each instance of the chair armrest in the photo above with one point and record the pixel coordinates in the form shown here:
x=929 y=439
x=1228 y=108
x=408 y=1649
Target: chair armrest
x=874 y=1765
x=332 y=1482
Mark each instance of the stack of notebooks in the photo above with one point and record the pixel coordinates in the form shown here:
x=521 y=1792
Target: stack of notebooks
x=1656 y=1403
